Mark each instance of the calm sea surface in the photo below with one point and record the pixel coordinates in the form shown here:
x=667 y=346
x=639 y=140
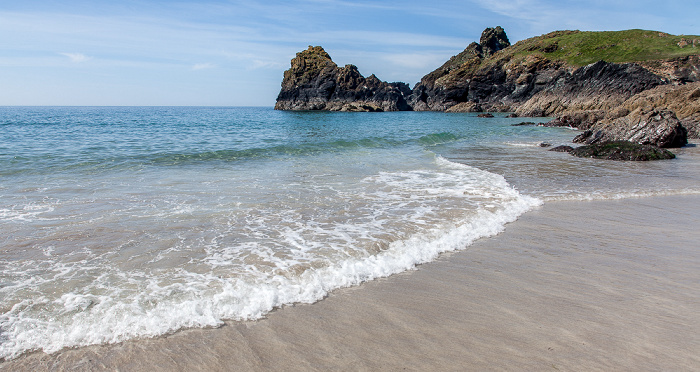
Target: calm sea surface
x=119 y=223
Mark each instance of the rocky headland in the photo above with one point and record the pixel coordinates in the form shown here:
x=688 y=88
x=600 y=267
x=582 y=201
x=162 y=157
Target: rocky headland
x=635 y=85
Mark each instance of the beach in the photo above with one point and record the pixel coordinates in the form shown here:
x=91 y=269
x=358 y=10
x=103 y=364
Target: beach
x=573 y=285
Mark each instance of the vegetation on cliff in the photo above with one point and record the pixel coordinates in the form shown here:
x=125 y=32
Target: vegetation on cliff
x=580 y=48
x=559 y=72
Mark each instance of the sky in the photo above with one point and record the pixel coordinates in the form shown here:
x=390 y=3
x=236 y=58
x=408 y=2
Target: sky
x=234 y=52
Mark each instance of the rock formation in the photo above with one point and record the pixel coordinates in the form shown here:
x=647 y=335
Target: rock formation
x=599 y=86
x=622 y=150
x=658 y=128
x=461 y=79
x=315 y=82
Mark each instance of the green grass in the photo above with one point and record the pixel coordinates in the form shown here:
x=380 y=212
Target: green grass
x=578 y=48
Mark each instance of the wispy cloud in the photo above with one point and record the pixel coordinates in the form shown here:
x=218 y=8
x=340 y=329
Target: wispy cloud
x=203 y=66
x=387 y=38
x=417 y=61
x=77 y=57
x=258 y=64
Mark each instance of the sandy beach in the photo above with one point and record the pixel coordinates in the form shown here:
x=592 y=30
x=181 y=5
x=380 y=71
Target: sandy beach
x=571 y=286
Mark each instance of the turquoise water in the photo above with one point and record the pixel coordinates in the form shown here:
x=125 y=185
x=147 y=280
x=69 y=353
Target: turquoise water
x=118 y=223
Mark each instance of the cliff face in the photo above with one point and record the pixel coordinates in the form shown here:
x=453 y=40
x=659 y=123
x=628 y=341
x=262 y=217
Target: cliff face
x=315 y=82
x=599 y=86
x=538 y=76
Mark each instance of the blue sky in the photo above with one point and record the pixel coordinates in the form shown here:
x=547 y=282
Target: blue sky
x=233 y=53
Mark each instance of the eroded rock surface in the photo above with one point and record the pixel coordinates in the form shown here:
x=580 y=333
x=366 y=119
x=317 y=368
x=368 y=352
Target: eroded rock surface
x=315 y=82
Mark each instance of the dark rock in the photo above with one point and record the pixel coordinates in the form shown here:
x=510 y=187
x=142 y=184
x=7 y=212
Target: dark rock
x=485 y=115
x=315 y=82
x=659 y=128
x=622 y=150
x=583 y=137
x=545 y=144
x=492 y=40
x=512 y=115
x=462 y=78
x=562 y=148
x=525 y=123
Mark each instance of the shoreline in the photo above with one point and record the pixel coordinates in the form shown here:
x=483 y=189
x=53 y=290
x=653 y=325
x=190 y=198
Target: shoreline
x=572 y=285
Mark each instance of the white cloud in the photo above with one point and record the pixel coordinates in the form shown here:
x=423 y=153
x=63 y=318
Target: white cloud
x=417 y=61
x=266 y=64
x=386 y=38
x=77 y=57
x=203 y=66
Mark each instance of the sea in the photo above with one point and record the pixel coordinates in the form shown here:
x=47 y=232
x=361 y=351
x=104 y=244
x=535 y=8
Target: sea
x=120 y=223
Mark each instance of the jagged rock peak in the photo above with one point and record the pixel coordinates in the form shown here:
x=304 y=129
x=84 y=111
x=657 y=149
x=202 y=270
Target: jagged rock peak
x=314 y=52
x=311 y=60
x=315 y=82
x=492 y=40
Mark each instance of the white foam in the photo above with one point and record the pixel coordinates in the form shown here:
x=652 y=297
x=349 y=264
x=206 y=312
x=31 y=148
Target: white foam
x=523 y=144
x=24 y=213
x=272 y=258
x=618 y=195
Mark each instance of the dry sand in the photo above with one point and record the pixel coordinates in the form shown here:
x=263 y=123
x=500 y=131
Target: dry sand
x=572 y=286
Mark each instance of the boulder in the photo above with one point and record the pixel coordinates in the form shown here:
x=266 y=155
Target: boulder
x=562 y=148
x=622 y=150
x=660 y=128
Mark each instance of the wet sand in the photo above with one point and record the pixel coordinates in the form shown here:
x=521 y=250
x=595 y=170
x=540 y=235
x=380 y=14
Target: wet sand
x=572 y=286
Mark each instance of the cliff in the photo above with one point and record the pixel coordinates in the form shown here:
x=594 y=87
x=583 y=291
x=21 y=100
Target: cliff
x=315 y=82
x=630 y=85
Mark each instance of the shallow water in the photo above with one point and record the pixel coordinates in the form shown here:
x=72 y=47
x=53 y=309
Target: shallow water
x=119 y=223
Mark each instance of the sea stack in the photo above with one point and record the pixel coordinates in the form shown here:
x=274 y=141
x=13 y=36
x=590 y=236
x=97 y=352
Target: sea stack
x=315 y=82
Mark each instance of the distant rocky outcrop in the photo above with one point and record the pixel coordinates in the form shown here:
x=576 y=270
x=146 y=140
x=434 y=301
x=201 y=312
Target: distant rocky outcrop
x=315 y=82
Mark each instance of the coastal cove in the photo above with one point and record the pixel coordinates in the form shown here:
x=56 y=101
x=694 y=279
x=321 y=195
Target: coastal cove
x=334 y=185
x=171 y=221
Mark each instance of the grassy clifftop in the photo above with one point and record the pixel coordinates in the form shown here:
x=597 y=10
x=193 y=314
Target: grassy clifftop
x=580 y=48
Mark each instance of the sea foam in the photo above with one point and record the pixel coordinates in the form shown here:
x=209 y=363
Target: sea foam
x=387 y=223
